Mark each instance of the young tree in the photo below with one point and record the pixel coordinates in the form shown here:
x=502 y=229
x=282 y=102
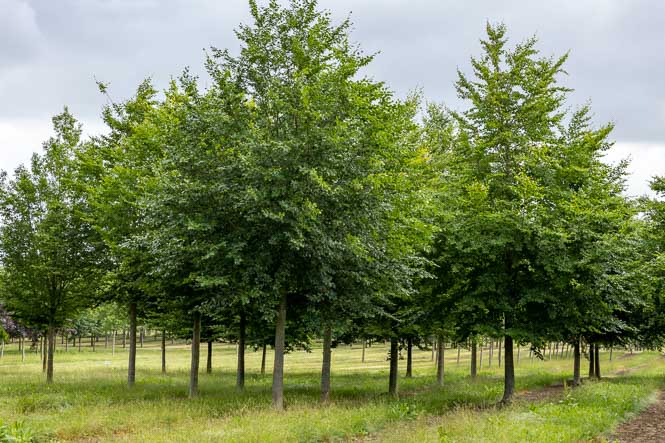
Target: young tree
x=49 y=250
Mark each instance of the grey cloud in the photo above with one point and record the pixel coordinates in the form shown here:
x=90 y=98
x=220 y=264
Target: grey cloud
x=617 y=48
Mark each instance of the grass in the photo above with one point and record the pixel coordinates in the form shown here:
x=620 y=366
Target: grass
x=89 y=400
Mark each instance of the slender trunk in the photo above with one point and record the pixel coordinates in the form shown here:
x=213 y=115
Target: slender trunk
x=43 y=343
x=518 y=355
x=491 y=353
x=611 y=348
x=106 y=340
x=51 y=348
x=113 y=342
x=124 y=338
x=474 y=356
x=240 y=375
x=80 y=343
x=480 y=364
x=141 y=336
x=499 y=345
x=576 y=363
x=409 y=358
x=362 y=359
x=263 y=358
x=163 y=350
x=22 y=343
x=196 y=352
x=2 y=349
x=440 y=361
x=66 y=342
x=592 y=366
x=131 y=368
x=278 y=368
x=392 y=381
x=327 y=360
x=509 y=371
x=93 y=341
x=596 y=349
x=433 y=349
x=209 y=359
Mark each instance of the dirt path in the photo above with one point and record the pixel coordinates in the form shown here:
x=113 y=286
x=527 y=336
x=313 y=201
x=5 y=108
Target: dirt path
x=647 y=427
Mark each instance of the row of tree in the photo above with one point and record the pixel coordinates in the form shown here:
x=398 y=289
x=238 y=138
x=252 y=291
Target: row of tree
x=295 y=198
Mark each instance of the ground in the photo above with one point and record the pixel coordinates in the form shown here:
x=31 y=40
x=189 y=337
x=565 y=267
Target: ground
x=89 y=402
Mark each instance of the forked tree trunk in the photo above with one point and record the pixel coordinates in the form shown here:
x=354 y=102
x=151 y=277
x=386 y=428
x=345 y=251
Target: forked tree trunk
x=163 y=350
x=327 y=362
x=596 y=349
x=576 y=363
x=509 y=372
x=240 y=375
x=440 y=361
x=394 y=355
x=409 y=358
x=196 y=352
x=51 y=348
x=278 y=366
x=474 y=356
x=131 y=367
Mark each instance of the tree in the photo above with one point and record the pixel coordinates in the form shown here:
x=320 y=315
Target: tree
x=50 y=253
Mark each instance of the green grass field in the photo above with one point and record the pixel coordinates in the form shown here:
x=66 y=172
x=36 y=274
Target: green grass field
x=89 y=401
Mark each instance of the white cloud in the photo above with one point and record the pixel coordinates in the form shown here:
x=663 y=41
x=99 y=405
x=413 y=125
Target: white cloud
x=646 y=161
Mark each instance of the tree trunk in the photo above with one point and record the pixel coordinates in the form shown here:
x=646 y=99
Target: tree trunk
x=263 y=358
x=106 y=340
x=66 y=342
x=440 y=361
x=80 y=343
x=51 y=348
x=240 y=373
x=93 y=342
x=480 y=363
x=362 y=359
x=131 y=367
x=491 y=353
x=278 y=365
x=592 y=366
x=518 y=355
x=43 y=343
x=22 y=343
x=327 y=360
x=2 y=349
x=499 y=345
x=596 y=349
x=392 y=380
x=576 y=363
x=209 y=359
x=409 y=358
x=509 y=371
x=474 y=356
x=124 y=337
x=196 y=352
x=113 y=342
x=141 y=336
x=163 y=350
x=459 y=350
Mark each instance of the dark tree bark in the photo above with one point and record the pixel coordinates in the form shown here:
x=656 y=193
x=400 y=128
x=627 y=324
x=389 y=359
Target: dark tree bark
x=263 y=359
x=596 y=349
x=240 y=373
x=491 y=353
x=409 y=358
x=43 y=342
x=499 y=345
x=124 y=338
x=362 y=359
x=141 y=336
x=209 y=359
x=163 y=350
x=196 y=352
x=440 y=361
x=474 y=356
x=576 y=363
x=51 y=348
x=327 y=361
x=131 y=368
x=592 y=366
x=509 y=372
x=79 y=343
x=394 y=356
x=278 y=368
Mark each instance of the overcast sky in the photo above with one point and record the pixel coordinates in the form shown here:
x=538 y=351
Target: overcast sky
x=52 y=51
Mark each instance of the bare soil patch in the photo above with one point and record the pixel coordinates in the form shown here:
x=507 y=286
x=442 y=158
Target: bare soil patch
x=647 y=427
